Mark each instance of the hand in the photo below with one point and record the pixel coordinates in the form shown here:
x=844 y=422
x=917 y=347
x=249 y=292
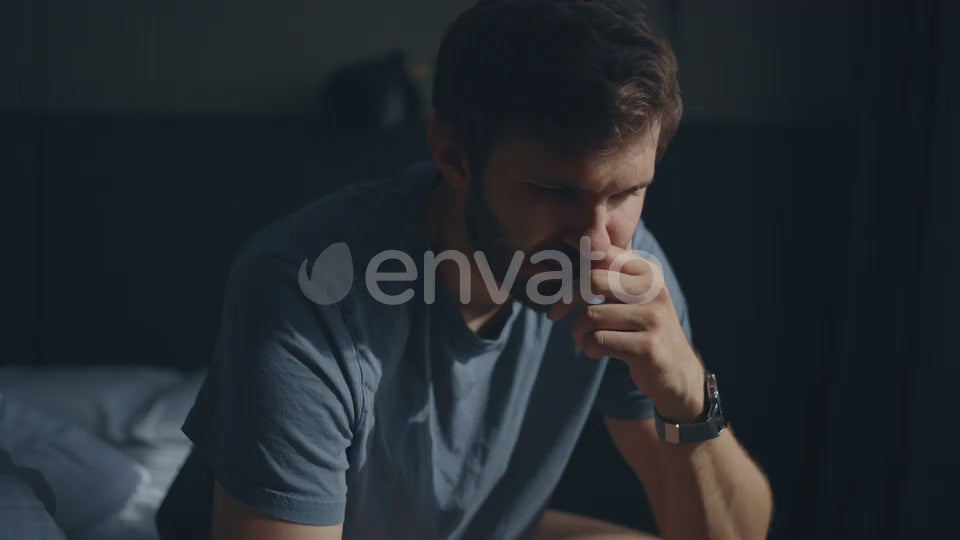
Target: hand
x=638 y=324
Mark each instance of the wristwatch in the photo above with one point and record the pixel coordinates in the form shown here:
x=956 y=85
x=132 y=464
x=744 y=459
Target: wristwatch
x=709 y=428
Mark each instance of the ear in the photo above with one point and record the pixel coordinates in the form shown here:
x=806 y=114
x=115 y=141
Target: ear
x=447 y=152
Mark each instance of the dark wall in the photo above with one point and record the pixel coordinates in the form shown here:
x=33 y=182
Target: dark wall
x=124 y=228
x=186 y=57
x=741 y=60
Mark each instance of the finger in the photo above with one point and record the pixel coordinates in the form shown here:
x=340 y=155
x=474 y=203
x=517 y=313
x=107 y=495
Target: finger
x=607 y=285
x=625 y=288
x=560 y=309
x=623 y=345
x=616 y=258
x=628 y=288
x=600 y=286
x=626 y=261
x=622 y=317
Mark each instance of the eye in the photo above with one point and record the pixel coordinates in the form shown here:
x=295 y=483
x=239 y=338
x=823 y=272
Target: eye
x=636 y=190
x=550 y=190
x=541 y=187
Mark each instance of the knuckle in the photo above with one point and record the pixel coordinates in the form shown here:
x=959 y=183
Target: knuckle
x=653 y=348
x=595 y=343
x=663 y=295
x=645 y=349
x=590 y=346
x=597 y=280
x=643 y=343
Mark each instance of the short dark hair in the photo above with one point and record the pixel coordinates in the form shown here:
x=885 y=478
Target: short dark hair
x=585 y=75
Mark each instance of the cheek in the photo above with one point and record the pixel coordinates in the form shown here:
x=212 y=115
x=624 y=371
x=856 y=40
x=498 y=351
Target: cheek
x=533 y=217
x=527 y=223
x=623 y=223
x=536 y=224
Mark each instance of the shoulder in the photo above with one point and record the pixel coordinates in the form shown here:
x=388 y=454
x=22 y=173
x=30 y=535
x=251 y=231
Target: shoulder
x=644 y=240
x=368 y=216
x=304 y=275
x=317 y=256
x=646 y=245
x=307 y=311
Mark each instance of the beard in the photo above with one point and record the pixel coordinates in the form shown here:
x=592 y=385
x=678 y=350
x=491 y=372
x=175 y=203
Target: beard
x=489 y=236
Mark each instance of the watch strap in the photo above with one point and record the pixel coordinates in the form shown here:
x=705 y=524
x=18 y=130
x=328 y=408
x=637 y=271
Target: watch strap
x=710 y=428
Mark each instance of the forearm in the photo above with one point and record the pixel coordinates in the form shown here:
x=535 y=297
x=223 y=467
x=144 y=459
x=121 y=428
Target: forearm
x=708 y=489
x=712 y=490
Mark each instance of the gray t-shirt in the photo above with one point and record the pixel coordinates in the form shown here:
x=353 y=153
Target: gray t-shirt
x=396 y=420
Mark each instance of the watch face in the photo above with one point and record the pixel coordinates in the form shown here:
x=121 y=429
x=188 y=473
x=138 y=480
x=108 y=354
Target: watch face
x=713 y=393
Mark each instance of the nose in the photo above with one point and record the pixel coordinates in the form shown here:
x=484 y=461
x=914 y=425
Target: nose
x=594 y=226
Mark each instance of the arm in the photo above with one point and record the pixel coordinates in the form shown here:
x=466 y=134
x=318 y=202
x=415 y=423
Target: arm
x=557 y=525
x=280 y=409
x=235 y=521
x=710 y=489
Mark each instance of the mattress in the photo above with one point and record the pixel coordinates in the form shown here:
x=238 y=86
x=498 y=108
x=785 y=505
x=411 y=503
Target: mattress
x=106 y=439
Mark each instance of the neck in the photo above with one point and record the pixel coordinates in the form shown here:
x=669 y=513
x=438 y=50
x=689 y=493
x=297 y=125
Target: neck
x=448 y=231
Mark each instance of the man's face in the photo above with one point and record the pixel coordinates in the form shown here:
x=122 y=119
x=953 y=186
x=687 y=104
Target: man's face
x=534 y=198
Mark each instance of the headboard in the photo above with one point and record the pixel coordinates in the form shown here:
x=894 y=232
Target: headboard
x=123 y=229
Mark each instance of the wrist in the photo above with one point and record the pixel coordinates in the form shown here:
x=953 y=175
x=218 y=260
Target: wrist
x=709 y=426
x=688 y=407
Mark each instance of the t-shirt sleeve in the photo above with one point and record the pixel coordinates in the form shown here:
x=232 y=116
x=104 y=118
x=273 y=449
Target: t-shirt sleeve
x=283 y=398
x=618 y=397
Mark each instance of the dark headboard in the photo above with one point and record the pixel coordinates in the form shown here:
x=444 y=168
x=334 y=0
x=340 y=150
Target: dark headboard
x=122 y=230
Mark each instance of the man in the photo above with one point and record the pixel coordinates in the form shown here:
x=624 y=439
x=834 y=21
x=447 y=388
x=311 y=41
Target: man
x=401 y=391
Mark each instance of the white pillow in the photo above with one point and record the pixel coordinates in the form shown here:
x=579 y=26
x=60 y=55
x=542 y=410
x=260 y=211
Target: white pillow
x=162 y=420
x=91 y=481
x=25 y=503
x=106 y=400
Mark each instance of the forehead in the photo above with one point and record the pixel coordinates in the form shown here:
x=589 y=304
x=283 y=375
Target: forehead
x=524 y=158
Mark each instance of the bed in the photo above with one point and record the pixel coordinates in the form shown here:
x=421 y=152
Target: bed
x=88 y=453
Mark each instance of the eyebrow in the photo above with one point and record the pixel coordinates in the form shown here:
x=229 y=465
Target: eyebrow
x=562 y=183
